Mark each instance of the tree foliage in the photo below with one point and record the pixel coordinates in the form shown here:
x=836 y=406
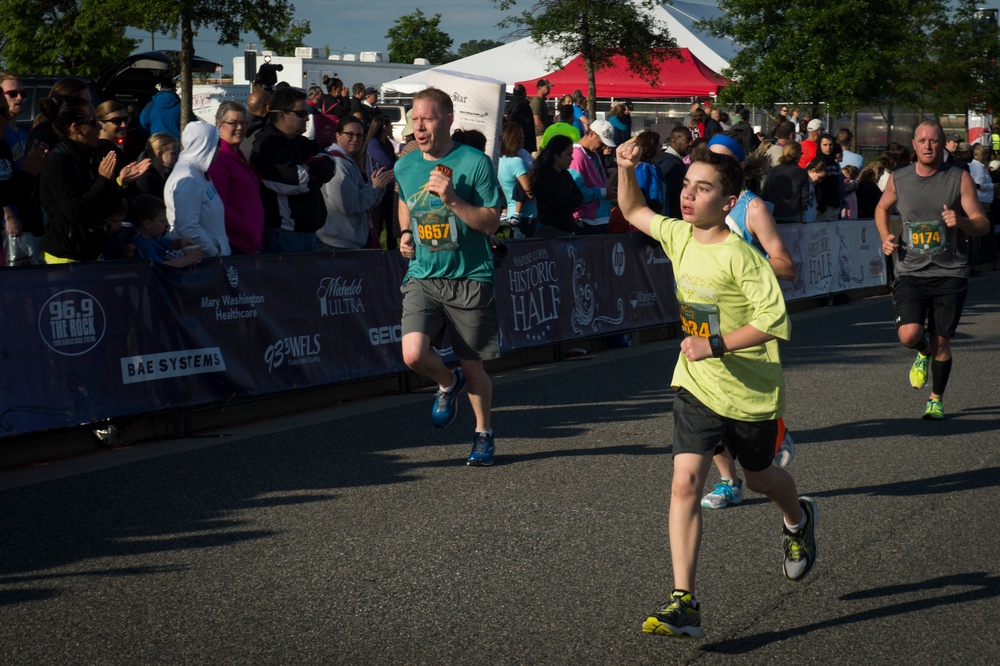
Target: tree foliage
x=847 y=54
x=598 y=30
x=57 y=37
x=472 y=47
x=418 y=36
x=268 y=19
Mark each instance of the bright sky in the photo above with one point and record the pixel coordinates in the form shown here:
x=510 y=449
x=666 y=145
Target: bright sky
x=353 y=27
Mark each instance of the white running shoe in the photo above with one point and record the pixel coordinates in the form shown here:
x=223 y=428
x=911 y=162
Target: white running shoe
x=783 y=458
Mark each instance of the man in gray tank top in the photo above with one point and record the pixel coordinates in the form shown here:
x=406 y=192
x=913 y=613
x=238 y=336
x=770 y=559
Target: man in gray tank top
x=935 y=201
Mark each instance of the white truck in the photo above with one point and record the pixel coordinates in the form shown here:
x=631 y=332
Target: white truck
x=303 y=70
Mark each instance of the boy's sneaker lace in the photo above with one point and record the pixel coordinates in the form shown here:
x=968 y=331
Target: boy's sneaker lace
x=918 y=371
x=724 y=493
x=785 y=454
x=934 y=410
x=681 y=616
x=482 y=450
x=800 y=547
x=446 y=402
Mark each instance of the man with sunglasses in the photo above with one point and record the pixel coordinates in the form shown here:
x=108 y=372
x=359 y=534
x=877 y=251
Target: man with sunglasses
x=17 y=100
x=21 y=215
x=292 y=172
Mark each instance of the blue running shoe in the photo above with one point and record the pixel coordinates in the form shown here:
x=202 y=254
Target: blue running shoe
x=482 y=450
x=446 y=402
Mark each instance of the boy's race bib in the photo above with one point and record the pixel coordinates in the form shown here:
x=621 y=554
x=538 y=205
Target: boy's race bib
x=700 y=319
x=928 y=237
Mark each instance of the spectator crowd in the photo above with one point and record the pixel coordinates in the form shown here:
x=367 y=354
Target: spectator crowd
x=295 y=171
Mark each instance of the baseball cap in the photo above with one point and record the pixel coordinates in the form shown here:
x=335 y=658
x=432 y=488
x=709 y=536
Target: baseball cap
x=953 y=137
x=965 y=145
x=815 y=125
x=371 y=91
x=408 y=128
x=995 y=164
x=543 y=82
x=604 y=130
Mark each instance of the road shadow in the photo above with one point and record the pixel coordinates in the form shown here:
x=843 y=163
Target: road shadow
x=982 y=584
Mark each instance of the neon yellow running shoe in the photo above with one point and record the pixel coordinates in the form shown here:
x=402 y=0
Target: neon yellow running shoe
x=934 y=410
x=918 y=371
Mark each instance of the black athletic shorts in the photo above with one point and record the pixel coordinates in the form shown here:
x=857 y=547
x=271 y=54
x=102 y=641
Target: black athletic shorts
x=697 y=429
x=933 y=302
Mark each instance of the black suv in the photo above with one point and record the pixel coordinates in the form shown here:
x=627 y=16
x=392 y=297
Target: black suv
x=131 y=81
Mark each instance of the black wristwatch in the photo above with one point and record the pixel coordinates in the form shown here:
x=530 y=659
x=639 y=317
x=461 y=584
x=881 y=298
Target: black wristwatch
x=717 y=345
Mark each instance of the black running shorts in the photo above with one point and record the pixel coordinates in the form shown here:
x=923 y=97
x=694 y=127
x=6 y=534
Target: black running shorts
x=934 y=302
x=697 y=429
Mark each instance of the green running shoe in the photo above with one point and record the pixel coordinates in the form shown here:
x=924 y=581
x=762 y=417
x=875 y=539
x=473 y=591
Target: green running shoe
x=934 y=410
x=918 y=371
x=681 y=616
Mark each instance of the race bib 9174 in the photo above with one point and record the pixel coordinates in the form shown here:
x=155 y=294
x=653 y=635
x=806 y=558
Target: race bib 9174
x=928 y=237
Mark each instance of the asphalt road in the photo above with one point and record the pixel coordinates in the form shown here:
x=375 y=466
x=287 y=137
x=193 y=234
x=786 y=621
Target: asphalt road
x=358 y=536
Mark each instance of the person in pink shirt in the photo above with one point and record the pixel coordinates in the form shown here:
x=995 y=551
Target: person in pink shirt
x=236 y=182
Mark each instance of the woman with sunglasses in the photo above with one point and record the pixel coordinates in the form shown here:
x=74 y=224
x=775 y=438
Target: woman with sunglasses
x=236 y=182
x=77 y=191
x=112 y=127
x=348 y=197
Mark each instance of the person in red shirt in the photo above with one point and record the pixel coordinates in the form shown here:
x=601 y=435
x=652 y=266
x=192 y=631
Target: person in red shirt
x=810 y=144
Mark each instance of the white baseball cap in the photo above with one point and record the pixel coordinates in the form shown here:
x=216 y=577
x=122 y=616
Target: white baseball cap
x=604 y=130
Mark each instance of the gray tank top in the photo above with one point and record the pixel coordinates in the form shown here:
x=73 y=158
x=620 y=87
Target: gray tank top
x=928 y=248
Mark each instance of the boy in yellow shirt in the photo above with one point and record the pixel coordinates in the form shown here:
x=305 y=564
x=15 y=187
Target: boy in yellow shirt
x=730 y=390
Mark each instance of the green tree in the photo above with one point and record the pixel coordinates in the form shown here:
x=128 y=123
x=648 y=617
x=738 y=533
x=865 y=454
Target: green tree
x=417 y=36
x=928 y=54
x=61 y=37
x=269 y=19
x=963 y=51
x=598 y=30
x=472 y=47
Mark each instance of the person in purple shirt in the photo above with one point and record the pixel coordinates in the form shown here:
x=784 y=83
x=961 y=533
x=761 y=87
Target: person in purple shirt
x=379 y=153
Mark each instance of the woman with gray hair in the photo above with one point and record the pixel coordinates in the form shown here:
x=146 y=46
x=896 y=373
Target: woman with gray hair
x=237 y=183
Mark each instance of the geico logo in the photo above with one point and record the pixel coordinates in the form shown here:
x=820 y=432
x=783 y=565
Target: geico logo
x=384 y=335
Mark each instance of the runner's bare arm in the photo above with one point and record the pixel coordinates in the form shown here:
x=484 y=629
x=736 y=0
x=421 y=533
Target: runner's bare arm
x=764 y=229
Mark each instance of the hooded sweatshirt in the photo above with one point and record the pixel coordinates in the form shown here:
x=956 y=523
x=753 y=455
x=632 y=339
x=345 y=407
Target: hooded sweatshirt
x=194 y=208
x=348 y=198
x=162 y=114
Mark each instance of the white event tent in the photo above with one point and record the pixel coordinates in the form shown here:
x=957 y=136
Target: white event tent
x=525 y=60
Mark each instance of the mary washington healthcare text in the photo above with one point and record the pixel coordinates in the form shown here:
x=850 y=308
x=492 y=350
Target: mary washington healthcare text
x=234 y=304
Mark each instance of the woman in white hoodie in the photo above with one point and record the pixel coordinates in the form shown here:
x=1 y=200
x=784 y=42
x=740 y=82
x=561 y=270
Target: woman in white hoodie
x=194 y=208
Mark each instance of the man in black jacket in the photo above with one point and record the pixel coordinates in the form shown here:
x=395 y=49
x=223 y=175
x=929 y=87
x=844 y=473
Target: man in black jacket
x=519 y=111
x=292 y=170
x=671 y=164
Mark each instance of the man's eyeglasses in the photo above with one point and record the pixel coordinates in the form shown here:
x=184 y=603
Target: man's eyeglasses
x=301 y=113
x=118 y=120
x=353 y=135
x=235 y=123
x=14 y=94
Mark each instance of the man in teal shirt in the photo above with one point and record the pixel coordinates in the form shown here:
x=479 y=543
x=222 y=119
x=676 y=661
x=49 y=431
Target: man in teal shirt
x=449 y=204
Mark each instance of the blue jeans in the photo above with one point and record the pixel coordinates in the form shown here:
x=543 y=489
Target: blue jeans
x=282 y=241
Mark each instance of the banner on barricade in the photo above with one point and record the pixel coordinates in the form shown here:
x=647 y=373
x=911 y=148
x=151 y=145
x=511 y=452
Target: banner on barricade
x=84 y=343
x=832 y=257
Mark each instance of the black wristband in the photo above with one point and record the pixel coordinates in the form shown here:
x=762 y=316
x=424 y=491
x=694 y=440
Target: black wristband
x=404 y=231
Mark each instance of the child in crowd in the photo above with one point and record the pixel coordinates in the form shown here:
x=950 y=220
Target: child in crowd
x=850 y=211
x=117 y=243
x=816 y=170
x=149 y=216
x=728 y=379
